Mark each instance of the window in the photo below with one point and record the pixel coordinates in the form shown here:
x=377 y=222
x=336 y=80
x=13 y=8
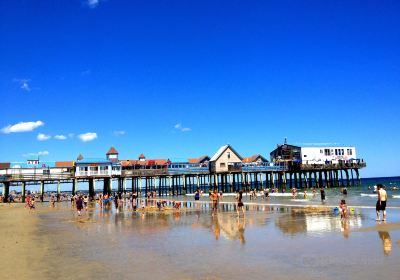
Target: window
x=349 y=152
x=321 y=151
x=46 y=172
x=229 y=155
x=336 y=152
x=327 y=152
x=222 y=164
x=93 y=169
x=304 y=155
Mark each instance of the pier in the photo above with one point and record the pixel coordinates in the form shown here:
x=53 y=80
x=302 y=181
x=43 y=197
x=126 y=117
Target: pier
x=226 y=171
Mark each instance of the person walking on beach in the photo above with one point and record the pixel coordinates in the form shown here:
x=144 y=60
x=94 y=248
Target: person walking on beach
x=239 y=198
x=79 y=205
x=381 y=203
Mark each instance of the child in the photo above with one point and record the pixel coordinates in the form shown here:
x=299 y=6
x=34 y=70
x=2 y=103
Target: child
x=343 y=209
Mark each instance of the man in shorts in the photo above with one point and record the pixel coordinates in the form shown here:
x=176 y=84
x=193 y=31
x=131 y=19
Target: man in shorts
x=381 y=203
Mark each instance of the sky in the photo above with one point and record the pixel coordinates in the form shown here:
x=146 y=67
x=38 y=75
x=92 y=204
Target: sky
x=177 y=79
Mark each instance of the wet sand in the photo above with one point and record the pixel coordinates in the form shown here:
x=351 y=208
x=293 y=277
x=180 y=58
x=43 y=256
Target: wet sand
x=270 y=242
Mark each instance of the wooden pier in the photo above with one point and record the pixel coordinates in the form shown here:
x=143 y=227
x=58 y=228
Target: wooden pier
x=169 y=181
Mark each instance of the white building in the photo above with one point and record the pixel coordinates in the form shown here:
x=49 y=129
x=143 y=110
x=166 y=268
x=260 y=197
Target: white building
x=332 y=154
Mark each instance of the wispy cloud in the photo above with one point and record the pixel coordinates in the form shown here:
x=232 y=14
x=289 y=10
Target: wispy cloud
x=119 y=132
x=71 y=135
x=21 y=127
x=42 y=153
x=89 y=136
x=60 y=137
x=24 y=84
x=86 y=72
x=43 y=137
x=92 y=3
x=179 y=127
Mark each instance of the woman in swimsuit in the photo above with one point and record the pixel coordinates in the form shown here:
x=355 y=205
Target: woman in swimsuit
x=240 y=202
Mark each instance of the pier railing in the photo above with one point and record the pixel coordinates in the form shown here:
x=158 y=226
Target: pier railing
x=263 y=168
x=189 y=170
x=144 y=172
x=337 y=166
x=38 y=177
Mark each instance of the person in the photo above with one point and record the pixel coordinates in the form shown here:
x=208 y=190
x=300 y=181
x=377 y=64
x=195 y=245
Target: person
x=266 y=192
x=52 y=201
x=343 y=209
x=322 y=190
x=305 y=194
x=32 y=204
x=28 y=201
x=79 y=204
x=294 y=192
x=85 y=201
x=381 y=203
x=214 y=198
x=239 y=198
x=344 y=191
x=197 y=195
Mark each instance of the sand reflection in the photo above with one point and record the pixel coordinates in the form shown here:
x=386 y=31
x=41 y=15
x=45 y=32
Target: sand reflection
x=386 y=242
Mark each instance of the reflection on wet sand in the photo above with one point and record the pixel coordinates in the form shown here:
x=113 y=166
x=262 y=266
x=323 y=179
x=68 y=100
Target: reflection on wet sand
x=295 y=223
x=386 y=242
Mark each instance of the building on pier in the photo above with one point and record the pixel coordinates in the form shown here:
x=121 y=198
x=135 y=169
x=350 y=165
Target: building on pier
x=286 y=153
x=202 y=161
x=99 y=167
x=254 y=160
x=112 y=154
x=226 y=159
x=332 y=154
x=314 y=154
x=143 y=163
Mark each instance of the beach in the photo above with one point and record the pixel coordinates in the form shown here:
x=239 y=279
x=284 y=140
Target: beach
x=191 y=243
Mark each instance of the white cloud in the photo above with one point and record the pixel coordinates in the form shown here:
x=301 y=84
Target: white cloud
x=24 y=84
x=179 y=126
x=60 y=137
x=21 y=127
x=92 y=3
x=43 y=137
x=42 y=153
x=89 y=136
x=119 y=132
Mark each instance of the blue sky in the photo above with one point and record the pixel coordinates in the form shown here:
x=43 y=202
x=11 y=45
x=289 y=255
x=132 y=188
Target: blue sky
x=178 y=79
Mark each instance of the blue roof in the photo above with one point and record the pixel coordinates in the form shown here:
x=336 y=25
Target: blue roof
x=42 y=164
x=93 y=160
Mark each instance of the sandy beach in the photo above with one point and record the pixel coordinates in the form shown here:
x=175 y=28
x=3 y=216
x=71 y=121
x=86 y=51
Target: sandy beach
x=54 y=243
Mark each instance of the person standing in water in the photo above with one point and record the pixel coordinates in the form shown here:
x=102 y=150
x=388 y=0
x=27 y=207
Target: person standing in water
x=239 y=198
x=322 y=190
x=79 y=205
x=381 y=203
